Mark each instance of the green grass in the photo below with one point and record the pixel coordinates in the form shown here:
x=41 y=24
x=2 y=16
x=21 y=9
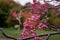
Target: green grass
x=12 y=32
x=43 y=31
x=1 y=35
x=53 y=37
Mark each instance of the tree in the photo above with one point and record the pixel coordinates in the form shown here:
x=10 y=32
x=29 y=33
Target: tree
x=6 y=9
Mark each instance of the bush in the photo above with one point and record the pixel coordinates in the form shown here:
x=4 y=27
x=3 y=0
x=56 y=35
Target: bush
x=6 y=9
x=56 y=22
x=53 y=18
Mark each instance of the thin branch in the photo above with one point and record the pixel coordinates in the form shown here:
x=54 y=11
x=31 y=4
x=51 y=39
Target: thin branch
x=7 y=36
x=40 y=35
x=48 y=36
x=30 y=37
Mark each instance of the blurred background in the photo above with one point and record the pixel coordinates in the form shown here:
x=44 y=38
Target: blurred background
x=8 y=6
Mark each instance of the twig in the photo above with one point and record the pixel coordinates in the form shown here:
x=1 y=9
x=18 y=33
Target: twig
x=40 y=35
x=7 y=36
x=30 y=37
x=48 y=36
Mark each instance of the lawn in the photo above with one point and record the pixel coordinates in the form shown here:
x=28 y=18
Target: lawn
x=12 y=32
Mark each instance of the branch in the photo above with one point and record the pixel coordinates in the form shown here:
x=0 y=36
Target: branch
x=7 y=36
x=30 y=37
x=48 y=36
x=40 y=35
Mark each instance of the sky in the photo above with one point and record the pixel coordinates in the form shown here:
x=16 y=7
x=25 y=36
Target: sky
x=23 y=2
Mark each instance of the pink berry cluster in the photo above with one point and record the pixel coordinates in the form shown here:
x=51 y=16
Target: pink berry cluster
x=33 y=22
x=37 y=7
